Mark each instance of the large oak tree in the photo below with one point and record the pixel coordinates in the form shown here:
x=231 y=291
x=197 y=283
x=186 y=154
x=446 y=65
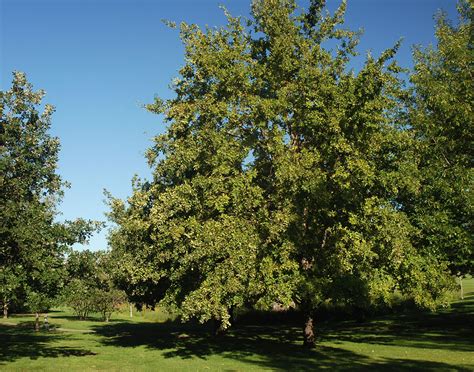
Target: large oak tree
x=280 y=176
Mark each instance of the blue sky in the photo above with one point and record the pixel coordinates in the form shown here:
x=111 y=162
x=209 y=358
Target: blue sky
x=101 y=60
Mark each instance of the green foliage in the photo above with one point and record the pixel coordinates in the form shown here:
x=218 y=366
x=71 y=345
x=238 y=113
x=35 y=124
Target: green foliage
x=77 y=295
x=443 y=119
x=90 y=284
x=32 y=243
x=281 y=176
x=107 y=302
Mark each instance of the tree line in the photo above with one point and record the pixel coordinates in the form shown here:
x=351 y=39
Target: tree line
x=285 y=176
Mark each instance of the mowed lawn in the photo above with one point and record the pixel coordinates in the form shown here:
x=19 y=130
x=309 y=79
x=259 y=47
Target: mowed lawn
x=410 y=341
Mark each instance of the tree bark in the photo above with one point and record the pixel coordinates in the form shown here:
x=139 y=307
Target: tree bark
x=308 y=332
x=131 y=310
x=5 y=310
x=462 y=289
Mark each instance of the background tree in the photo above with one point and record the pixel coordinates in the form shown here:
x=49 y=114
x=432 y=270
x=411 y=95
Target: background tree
x=90 y=284
x=32 y=243
x=11 y=279
x=443 y=118
x=279 y=177
x=107 y=297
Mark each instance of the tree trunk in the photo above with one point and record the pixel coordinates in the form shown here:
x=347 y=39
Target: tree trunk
x=37 y=324
x=360 y=314
x=232 y=312
x=219 y=330
x=308 y=332
x=5 y=310
x=462 y=290
x=131 y=310
x=46 y=322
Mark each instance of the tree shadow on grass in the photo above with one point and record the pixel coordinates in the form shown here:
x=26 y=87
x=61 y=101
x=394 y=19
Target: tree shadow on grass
x=21 y=341
x=274 y=347
x=445 y=330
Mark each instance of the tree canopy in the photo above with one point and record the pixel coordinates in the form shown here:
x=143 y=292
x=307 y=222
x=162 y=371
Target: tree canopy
x=282 y=177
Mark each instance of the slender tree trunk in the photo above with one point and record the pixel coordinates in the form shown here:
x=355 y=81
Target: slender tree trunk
x=5 y=310
x=37 y=324
x=462 y=289
x=46 y=322
x=233 y=317
x=131 y=310
x=308 y=332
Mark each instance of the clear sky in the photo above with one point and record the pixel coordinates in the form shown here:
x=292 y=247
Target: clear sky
x=101 y=60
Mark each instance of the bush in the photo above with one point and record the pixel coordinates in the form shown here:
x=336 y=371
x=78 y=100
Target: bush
x=84 y=299
x=107 y=302
x=78 y=296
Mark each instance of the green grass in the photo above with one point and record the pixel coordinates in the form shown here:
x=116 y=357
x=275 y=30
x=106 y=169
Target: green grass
x=409 y=341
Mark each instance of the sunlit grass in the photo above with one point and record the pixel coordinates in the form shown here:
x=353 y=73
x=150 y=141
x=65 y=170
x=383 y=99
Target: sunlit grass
x=408 y=341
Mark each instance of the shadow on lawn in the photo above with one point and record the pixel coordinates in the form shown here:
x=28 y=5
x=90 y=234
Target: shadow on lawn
x=276 y=346
x=447 y=330
x=279 y=347
x=21 y=341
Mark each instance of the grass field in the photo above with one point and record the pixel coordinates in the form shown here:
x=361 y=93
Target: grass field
x=410 y=341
